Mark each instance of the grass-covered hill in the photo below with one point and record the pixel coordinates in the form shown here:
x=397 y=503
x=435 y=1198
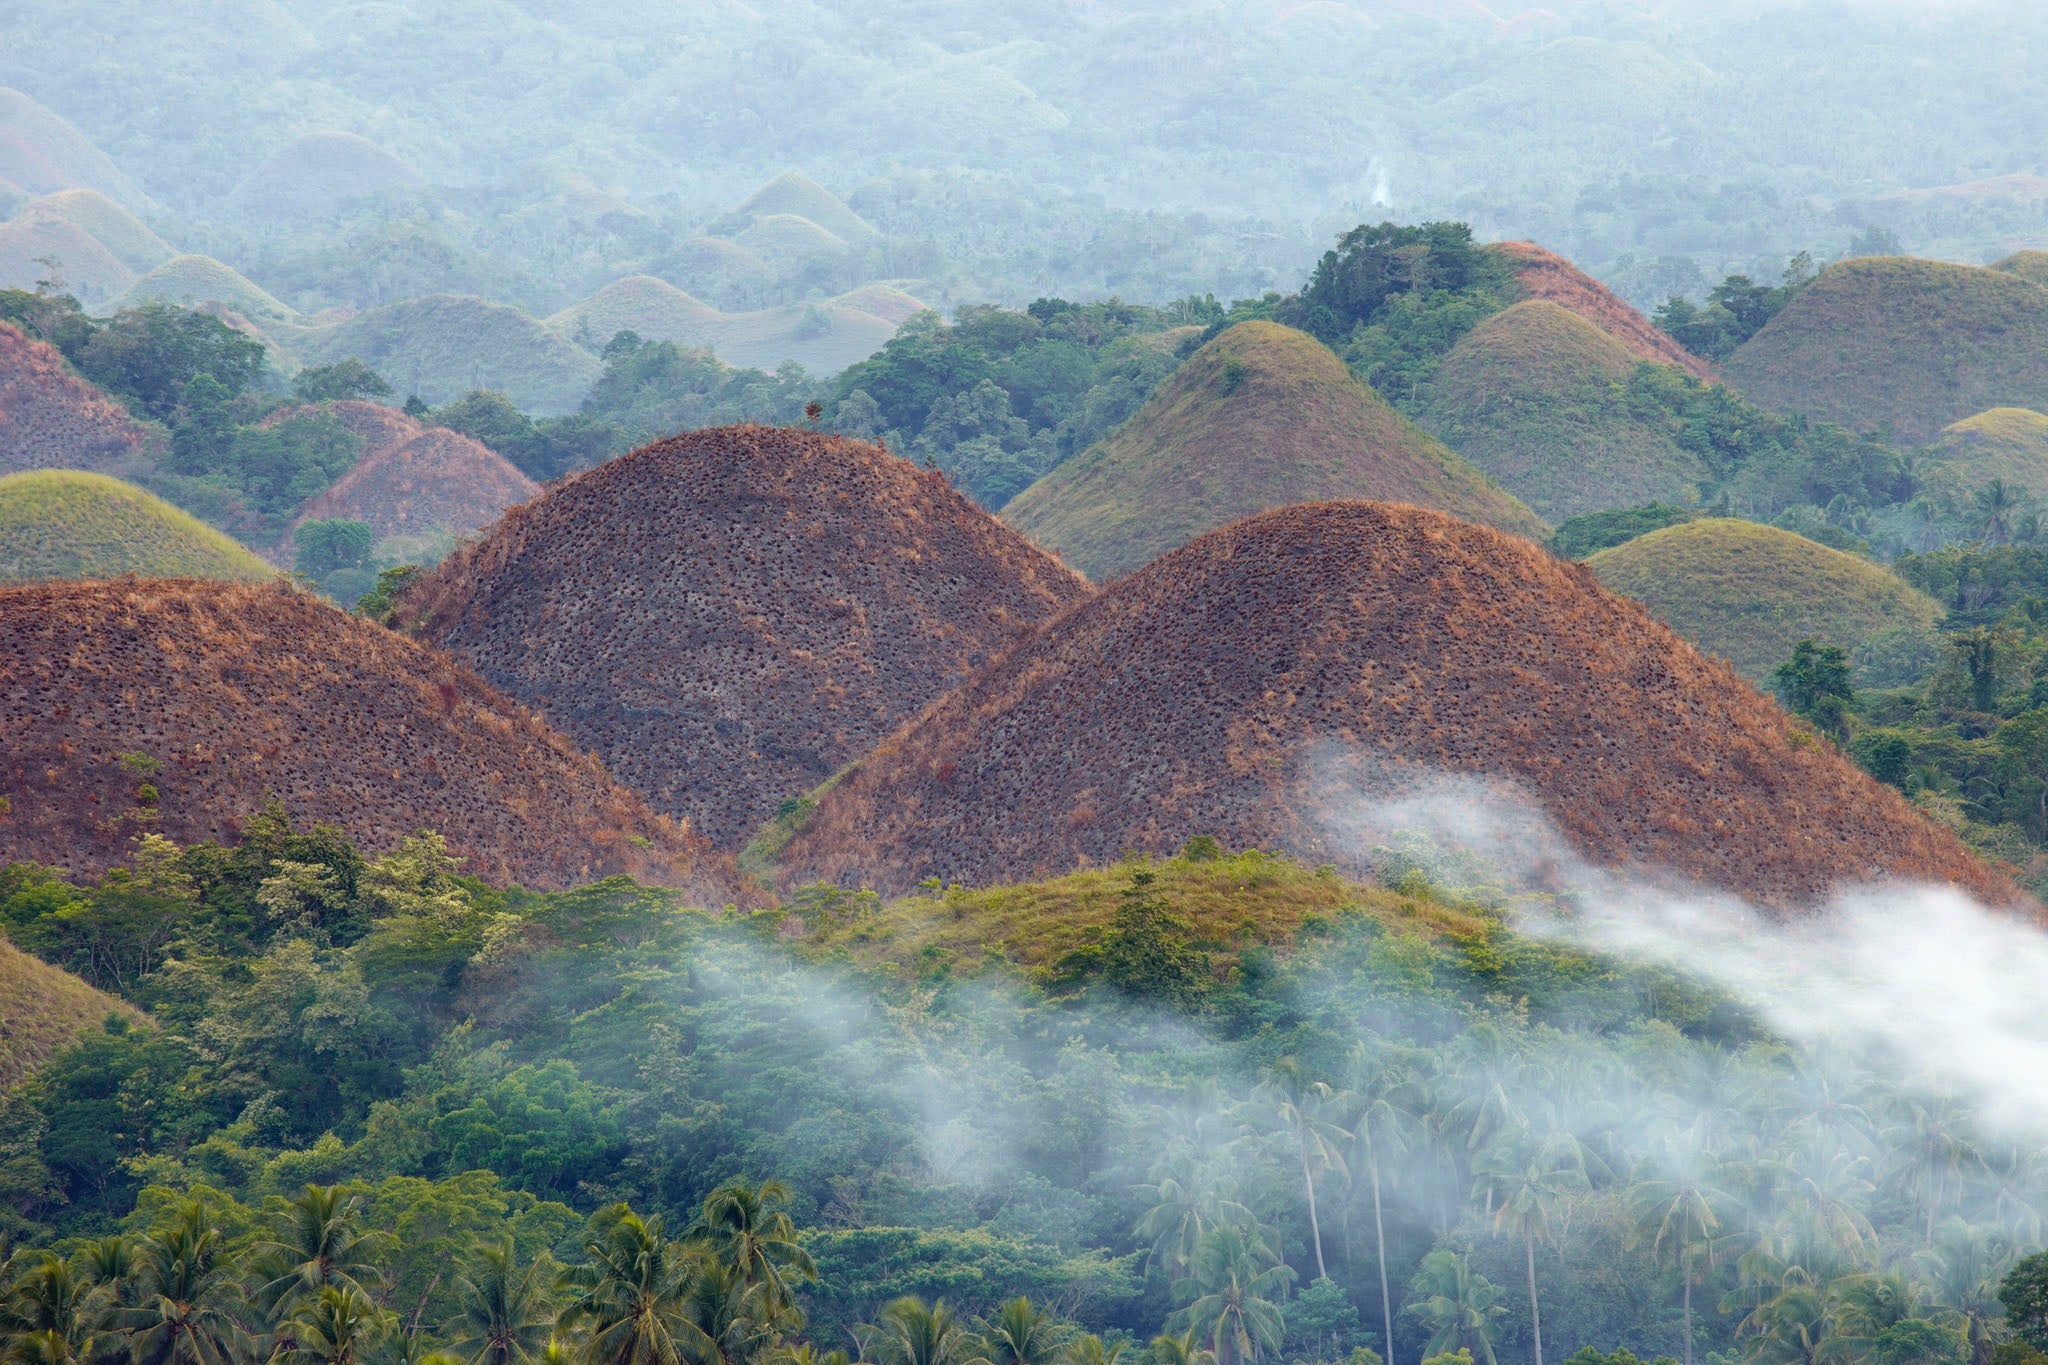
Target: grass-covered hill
x=729 y=616
x=43 y=1010
x=316 y=175
x=2028 y=265
x=43 y=153
x=52 y=419
x=437 y=480
x=1911 y=345
x=194 y=281
x=1528 y=396
x=795 y=195
x=786 y=241
x=445 y=345
x=1749 y=593
x=127 y=237
x=1261 y=417
x=823 y=337
x=177 y=706
x=62 y=523
x=1543 y=274
x=86 y=268
x=2004 y=443
x=652 y=307
x=1277 y=683
x=716 y=269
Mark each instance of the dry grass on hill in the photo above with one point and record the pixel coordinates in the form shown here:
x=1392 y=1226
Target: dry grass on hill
x=61 y=523
x=1544 y=274
x=52 y=419
x=43 y=1010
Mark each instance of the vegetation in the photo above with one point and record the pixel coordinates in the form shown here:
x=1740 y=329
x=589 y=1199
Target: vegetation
x=1578 y=537
x=64 y=524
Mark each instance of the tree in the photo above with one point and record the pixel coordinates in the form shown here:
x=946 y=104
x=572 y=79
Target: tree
x=1998 y=506
x=204 y=432
x=1321 y=1322
x=1814 y=683
x=1183 y=1349
x=750 y=1232
x=178 y=1312
x=632 y=1296
x=320 y=547
x=318 y=1244
x=1021 y=1333
x=2024 y=1292
x=1529 y=1178
x=1146 y=952
x=1380 y=1129
x=910 y=1332
x=1300 y=1103
x=337 y=1326
x=1459 y=1306
x=504 y=1313
x=1235 y=1287
x=344 y=379
x=52 y=1308
x=1678 y=1216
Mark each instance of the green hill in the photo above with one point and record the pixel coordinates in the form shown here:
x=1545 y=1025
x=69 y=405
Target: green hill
x=1749 y=593
x=654 y=308
x=43 y=1009
x=1261 y=417
x=198 y=280
x=316 y=175
x=88 y=270
x=1528 y=396
x=2028 y=265
x=1887 y=341
x=124 y=235
x=62 y=523
x=822 y=337
x=803 y=197
x=445 y=345
x=785 y=240
x=2004 y=443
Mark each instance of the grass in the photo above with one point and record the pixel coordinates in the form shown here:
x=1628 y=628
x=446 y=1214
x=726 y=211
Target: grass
x=1749 y=593
x=1908 y=345
x=61 y=523
x=1532 y=397
x=43 y=1010
x=114 y=227
x=88 y=269
x=822 y=337
x=193 y=280
x=1261 y=417
x=784 y=239
x=802 y=197
x=2004 y=443
x=2028 y=265
x=442 y=346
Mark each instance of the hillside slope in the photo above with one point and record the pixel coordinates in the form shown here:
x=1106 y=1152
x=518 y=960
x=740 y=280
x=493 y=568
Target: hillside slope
x=43 y=153
x=2004 y=443
x=1278 y=682
x=85 y=268
x=1528 y=397
x=127 y=237
x=438 y=479
x=43 y=1009
x=194 y=281
x=241 y=693
x=1543 y=274
x=1911 y=345
x=1261 y=417
x=728 y=616
x=52 y=419
x=62 y=523
x=443 y=346
x=1749 y=593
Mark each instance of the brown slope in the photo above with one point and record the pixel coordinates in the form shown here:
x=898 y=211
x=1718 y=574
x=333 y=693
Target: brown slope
x=52 y=419
x=43 y=1010
x=244 y=692
x=1544 y=274
x=380 y=428
x=1261 y=417
x=1274 y=682
x=728 y=616
x=439 y=478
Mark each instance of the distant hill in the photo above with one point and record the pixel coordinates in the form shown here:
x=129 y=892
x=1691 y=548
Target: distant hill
x=1749 y=593
x=822 y=337
x=42 y=154
x=728 y=616
x=1285 y=682
x=52 y=419
x=88 y=271
x=193 y=281
x=1912 y=345
x=61 y=523
x=1261 y=417
x=799 y=196
x=43 y=1010
x=1527 y=396
x=1543 y=274
x=892 y=305
x=652 y=307
x=2028 y=265
x=438 y=479
x=2004 y=443
x=317 y=175
x=442 y=346
x=125 y=236
x=785 y=241
x=243 y=692
x=381 y=428
x=716 y=269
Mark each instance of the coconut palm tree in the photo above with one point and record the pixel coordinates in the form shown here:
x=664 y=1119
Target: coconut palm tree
x=1234 y=1290
x=910 y=1332
x=1022 y=1333
x=750 y=1230
x=317 y=1245
x=1932 y=1155
x=1998 y=506
x=50 y=1310
x=1086 y=1348
x=1679 y=1217
x=1459 y=1306
x=1184 y=1349
x=1382 y=1128
x=504 y=1311
x=1301 y=1105
x=1963 y=1268
x=337 y=1326
x=179 y=1300
x=1189 y=1195
x=632 y=1297
x=1529 y=1178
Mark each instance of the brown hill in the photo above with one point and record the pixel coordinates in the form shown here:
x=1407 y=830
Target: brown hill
x=243 y=692
x=728 y=616
x=43 y=153
x=1260 y=417
x=438 y=479
x=380 y=428
x=52 y=419
x=1275 y=682
x=1544 y=274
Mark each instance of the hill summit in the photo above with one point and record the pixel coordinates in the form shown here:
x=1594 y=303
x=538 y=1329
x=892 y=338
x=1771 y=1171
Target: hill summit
x=52 y=419
x=1280 y=682
x=728 y=616
x=2004 y=443
x=61 y=523
x=1260 y=417
x=180 y=706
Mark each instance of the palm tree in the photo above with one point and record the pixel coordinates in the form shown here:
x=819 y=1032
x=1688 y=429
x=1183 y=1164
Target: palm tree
x=750 y=1230
x=336 y=1326
x=633 y=1296
x=1459 y=1306
x=317 y=1246
x=1964 y=1267
x=1023 y=1334
x=1998 y=506
x=182 y=1285
x=1086 y=1348
x=1300 y=1103
x=1678 y=1217
x=1185 y=1349
x=1380 y=1125
x=1530 y=1178
x=1235 y=1288
x=1931 y=1156
x=1794 y=1328
x=741 y=1320
x=908 y=1332
x=503 y=1310
x=51 y=1310
x=1185 y=1205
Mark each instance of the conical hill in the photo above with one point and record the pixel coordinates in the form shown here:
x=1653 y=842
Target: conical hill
x=179 y=707
x=2004 y=443
x=1279 y=682
x=52 y=419
x=1543 y=274
x=1261 y=417
x=728 y=616
x=43 y=1010
x=437 y=480
x=63 y=523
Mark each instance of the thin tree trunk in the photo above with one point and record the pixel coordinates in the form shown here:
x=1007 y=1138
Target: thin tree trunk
x=1535 y=1319
x=1379 y=1229
x=1315 y=1228
x=1688 y=1313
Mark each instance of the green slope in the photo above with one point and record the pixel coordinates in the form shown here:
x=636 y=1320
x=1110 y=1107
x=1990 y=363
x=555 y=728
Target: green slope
x=115 y=228
x=61 y=523
x=1749 y=593
x=1261 y=417
x=2004 y=443
x=195 y=280
x=1530 y=397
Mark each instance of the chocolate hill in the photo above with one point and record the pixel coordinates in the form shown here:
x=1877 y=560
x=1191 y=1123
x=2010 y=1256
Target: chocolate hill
x=1261 y=417
x=1528 y=396
x=2004 y=443
x=52 y=419
x=43 y=1010
x=438 y=479
x=1543 y=274
x=1275 y=682
x=728 y=616
x=239 y=693
x=1912 y=345
x=66 y=523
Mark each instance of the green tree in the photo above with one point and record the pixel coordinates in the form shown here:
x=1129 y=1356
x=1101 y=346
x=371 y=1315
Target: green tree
x=1233 y=1295
x=180 y=1307
x=2024 y=1293
x=1814 y=683
x=317 y=1243
x=1382 y=1128
x=912 y=1332
x=345 y=379
x=1185 y=1348
x=1021 y=1333
x=1301 y=1104
x=632 y=1297
x=203 y=436
x=320 y=547
x=339 y=1325
x=1678 y=1216
x=505 y=1312
x=749 y=1230
x=1528 y=1179
x=1459 y=1306
x=1146 y=952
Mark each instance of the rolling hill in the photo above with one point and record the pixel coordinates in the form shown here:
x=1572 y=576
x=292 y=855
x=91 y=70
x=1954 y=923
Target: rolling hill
x=1290 y=681
x=1261 y=417
x=794 y=195
x=1543 y=274
x=52 y=419
x=43 y=1009
x=438 y=479
x=2004 y=443
x=42 y=154
x=1912 y=345
x=652 y=307
x=380 y=428
x=238 y=693
x=61 y=523
x=728 y=616
x=716 y=269
x=445 y=345
x=193 y=281
x=1749 y=593
x=822 y=337
x=124 y=235
x=88 y=271
x=2028 y=265
x=1528 y=397
x=786 y=242
x=318 y=175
